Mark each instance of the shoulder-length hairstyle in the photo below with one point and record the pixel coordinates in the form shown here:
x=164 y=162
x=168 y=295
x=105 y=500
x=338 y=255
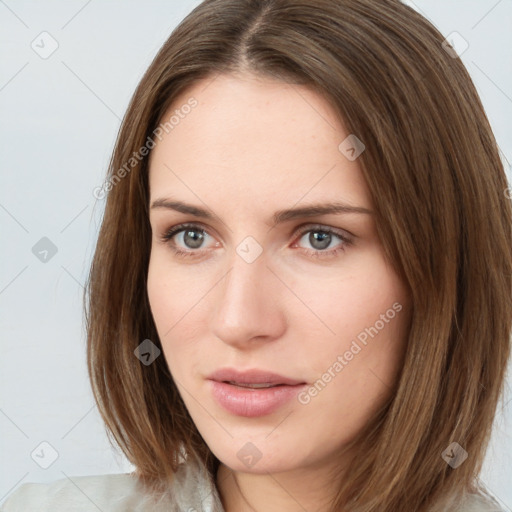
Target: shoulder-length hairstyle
x=443 y=214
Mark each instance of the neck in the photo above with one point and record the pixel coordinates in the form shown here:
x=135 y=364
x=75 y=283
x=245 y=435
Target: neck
x=292 y=491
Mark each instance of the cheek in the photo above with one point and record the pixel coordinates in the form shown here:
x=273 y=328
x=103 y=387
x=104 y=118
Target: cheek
x=172 y=293
x=347 y=303
x=354 y=371
x=362 y=336
x=175 y=305
x=160 y=297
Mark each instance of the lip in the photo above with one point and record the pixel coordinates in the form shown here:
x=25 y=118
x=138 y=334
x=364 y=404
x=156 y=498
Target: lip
x=253 y=376
x=249 y=402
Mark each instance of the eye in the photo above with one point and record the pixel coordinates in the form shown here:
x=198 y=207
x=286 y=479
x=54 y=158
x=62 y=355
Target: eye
x=320 y=238
x=192 y=236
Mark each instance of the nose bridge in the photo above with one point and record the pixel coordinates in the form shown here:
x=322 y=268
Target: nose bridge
x=244 y=286
x=246 y=302
x=248 y=267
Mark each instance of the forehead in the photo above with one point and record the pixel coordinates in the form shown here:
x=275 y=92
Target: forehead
x=248 y=137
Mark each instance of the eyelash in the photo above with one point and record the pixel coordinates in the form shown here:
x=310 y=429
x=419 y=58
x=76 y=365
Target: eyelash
x=169 y=234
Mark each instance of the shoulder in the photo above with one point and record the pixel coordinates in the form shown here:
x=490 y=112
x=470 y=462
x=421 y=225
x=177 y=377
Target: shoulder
x=115 y=493
x=191 y=489
x=479 y=503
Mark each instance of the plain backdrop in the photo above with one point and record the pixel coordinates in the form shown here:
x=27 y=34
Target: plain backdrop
x=60 y=114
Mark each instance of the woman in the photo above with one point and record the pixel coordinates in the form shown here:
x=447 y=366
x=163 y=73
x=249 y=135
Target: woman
x=300 y=296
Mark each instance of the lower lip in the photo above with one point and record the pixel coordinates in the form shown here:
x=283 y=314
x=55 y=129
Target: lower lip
x=250 y=402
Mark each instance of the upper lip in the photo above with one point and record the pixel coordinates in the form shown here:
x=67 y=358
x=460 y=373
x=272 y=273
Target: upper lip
x=253 y=376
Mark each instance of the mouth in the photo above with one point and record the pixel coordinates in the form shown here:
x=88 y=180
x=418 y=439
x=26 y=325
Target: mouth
x=254 y=378
x=253 y=385
x=252 y=393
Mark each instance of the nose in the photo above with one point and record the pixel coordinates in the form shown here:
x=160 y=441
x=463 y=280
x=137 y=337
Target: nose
x=248 y=306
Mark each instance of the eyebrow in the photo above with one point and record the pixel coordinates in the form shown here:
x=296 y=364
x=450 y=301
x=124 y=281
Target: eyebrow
x=279 y=217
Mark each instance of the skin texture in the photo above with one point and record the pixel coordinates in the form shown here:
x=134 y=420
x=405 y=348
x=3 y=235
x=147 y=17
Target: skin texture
x=251 y=147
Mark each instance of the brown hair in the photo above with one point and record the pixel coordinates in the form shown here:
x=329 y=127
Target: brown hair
x=435 y=177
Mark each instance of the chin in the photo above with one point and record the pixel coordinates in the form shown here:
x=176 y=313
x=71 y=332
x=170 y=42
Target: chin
x=249 y=459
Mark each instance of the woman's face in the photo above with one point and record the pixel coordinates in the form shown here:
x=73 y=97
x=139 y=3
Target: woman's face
x=309 y=298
